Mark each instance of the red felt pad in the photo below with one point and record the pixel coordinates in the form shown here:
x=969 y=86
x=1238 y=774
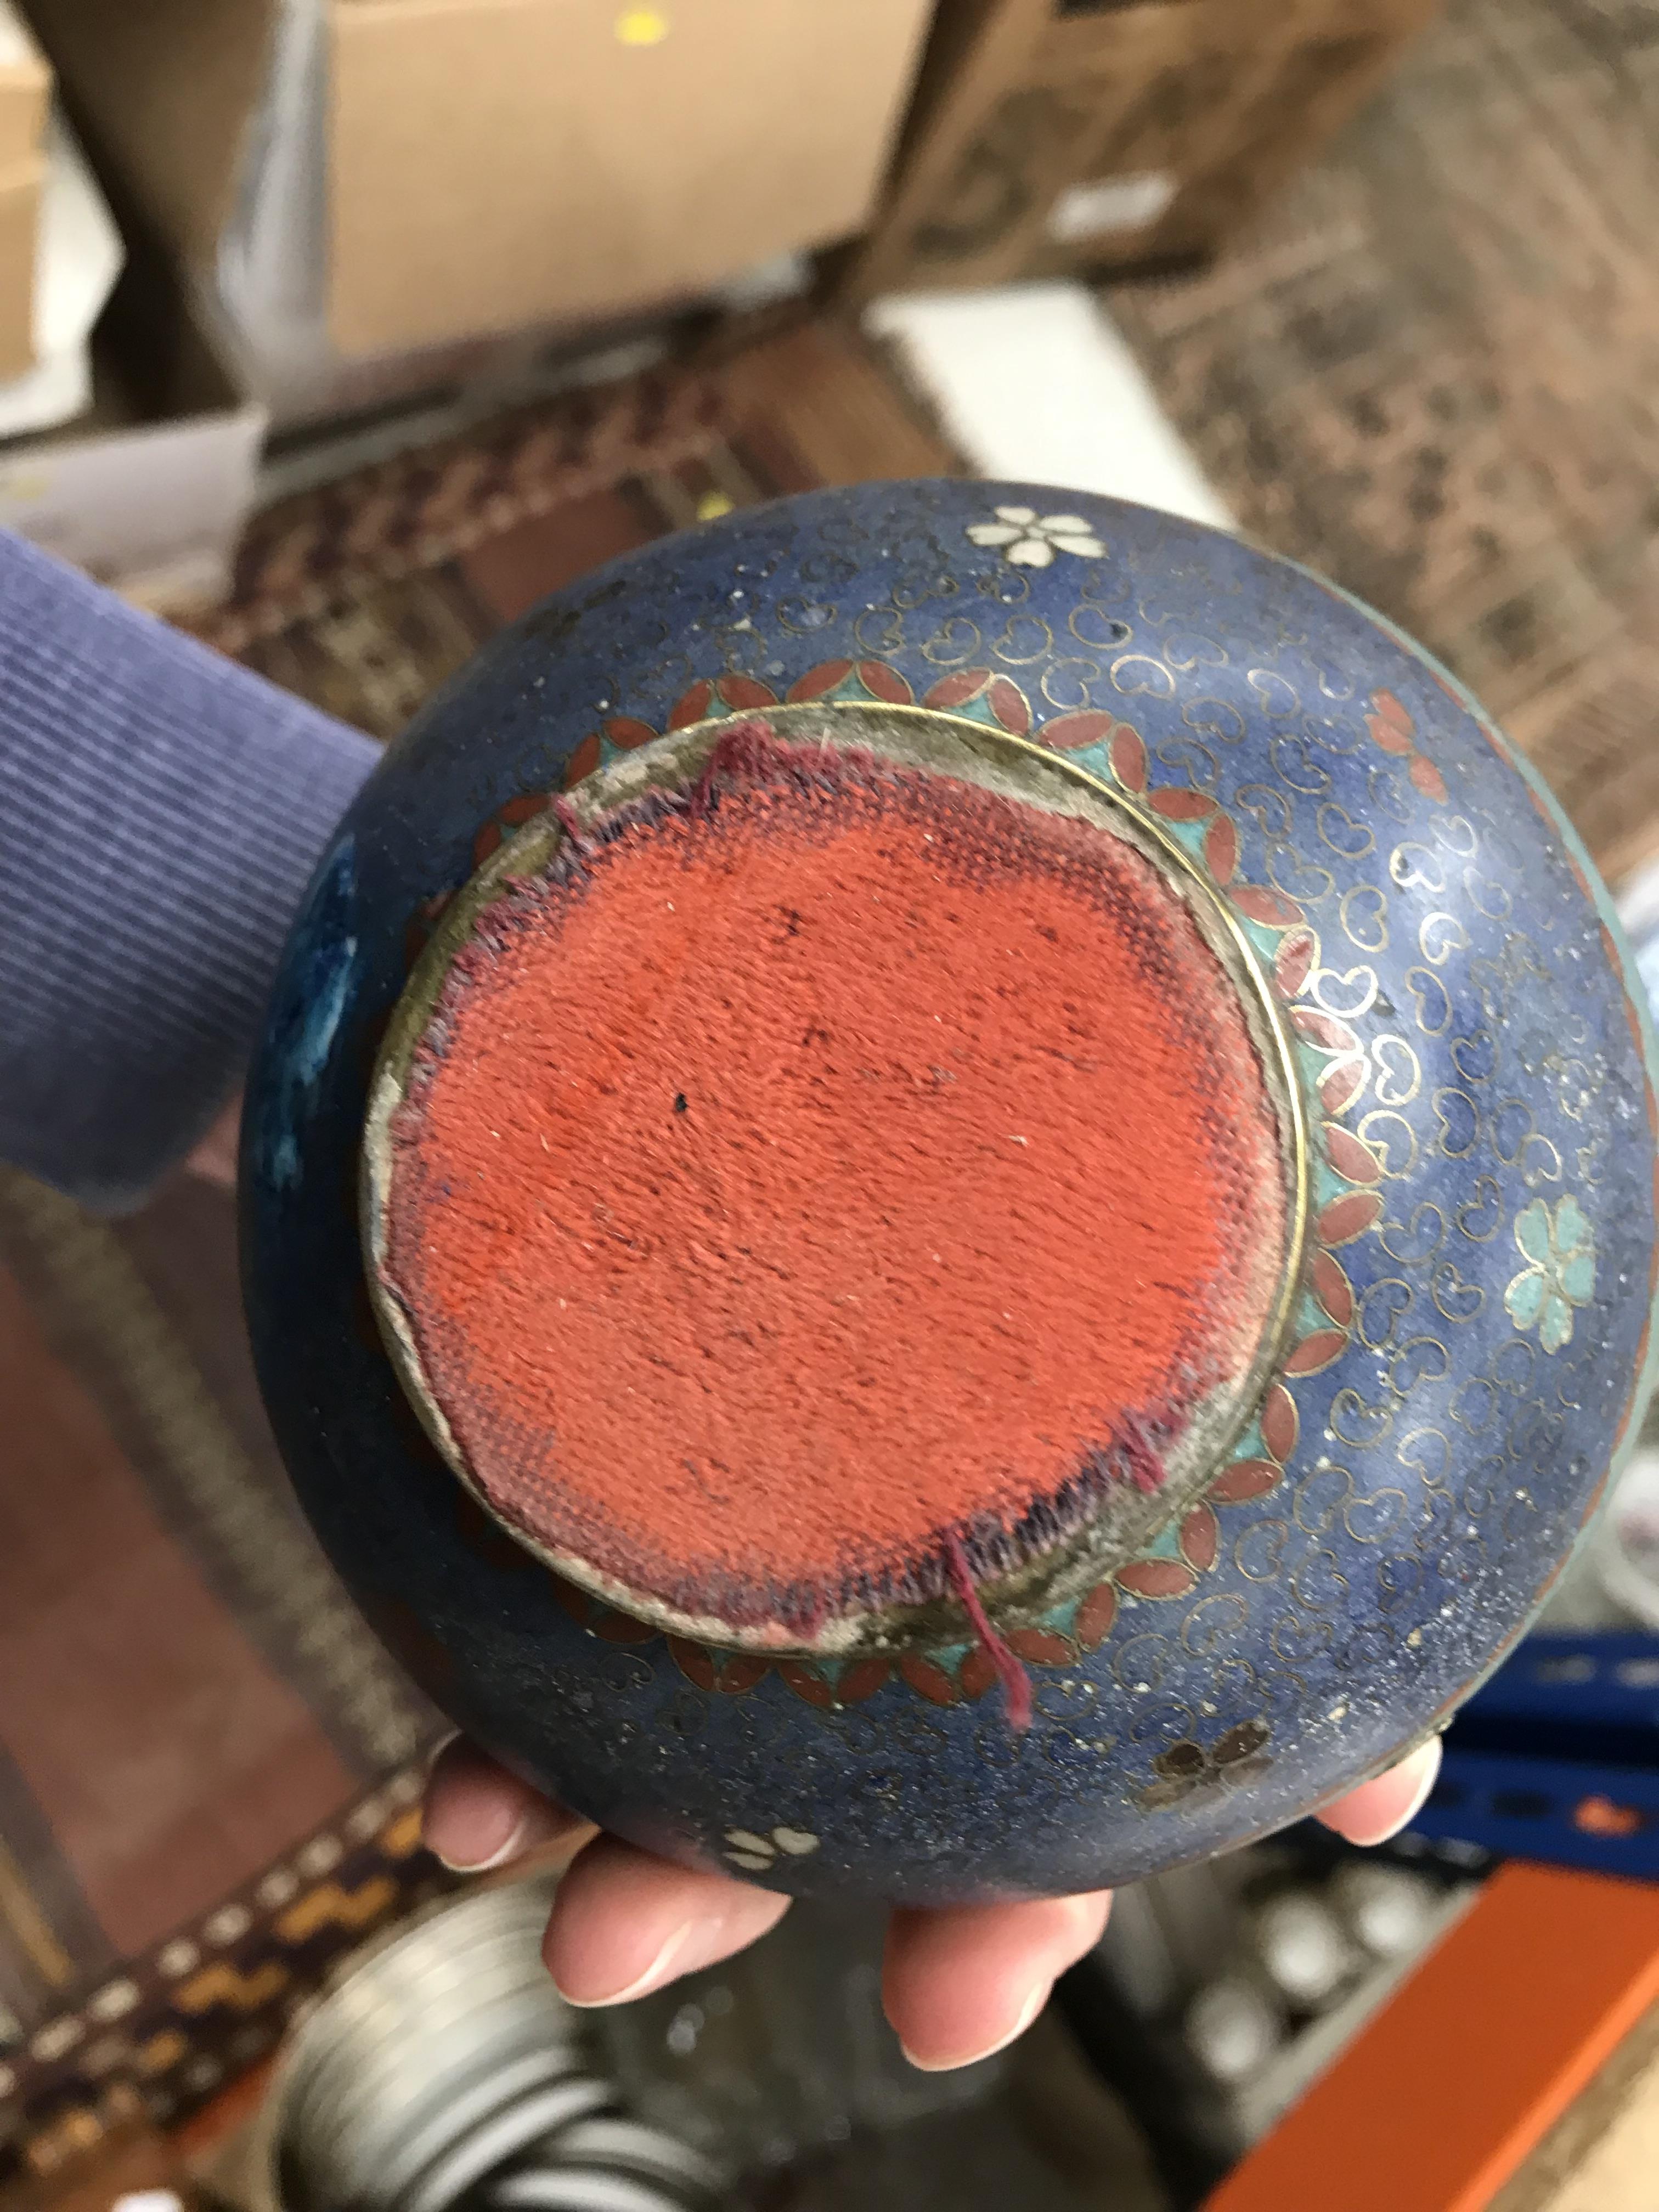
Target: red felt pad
x=793 y=1183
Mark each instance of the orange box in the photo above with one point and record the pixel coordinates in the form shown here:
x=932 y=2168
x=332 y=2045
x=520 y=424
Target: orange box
x=1460 y=2095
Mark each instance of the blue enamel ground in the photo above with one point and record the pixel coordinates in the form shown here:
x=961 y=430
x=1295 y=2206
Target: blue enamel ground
x=1443 y=1464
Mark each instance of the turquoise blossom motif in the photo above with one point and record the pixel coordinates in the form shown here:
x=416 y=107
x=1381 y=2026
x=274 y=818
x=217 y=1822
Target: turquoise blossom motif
x=1561 y=1246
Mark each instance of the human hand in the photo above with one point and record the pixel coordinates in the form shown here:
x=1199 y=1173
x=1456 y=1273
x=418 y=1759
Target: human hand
x=959 y=1982
x=214 y=1159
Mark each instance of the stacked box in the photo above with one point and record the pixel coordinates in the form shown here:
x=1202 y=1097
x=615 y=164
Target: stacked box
x=25 y=96
x=1053 y=136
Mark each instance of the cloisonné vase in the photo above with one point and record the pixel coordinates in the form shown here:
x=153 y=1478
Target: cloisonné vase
x=952 y=1194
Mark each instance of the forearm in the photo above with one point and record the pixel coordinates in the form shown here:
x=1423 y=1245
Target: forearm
x=161 y=811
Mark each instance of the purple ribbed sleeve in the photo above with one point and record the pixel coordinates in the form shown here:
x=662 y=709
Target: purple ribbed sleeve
x=161 y=813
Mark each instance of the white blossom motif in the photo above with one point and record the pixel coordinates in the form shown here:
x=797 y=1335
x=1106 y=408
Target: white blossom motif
x=1031 y=539
x=756 y=1854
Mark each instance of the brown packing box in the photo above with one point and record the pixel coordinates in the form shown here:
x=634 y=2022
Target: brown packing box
x=25 y=96
x=20 y=183
x=1049 y=135
x=498 y=164
x=149 y=490
x=581 y=174
x=25 y=90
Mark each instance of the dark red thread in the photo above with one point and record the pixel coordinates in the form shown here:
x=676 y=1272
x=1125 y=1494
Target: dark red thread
x=565 y=814
x=751 y=752
x=749 y=747
x=1011 y=1670
x=1146 y=1468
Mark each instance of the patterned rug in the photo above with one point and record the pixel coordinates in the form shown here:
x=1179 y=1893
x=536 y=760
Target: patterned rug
x=1432 y=370
x=209 y=1770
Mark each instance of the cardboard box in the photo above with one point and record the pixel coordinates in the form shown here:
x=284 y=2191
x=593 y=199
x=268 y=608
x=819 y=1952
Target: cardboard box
x=1051 y=135
x=495 y=165
x=77 y=256
x=25 y=90
x=148 y=489
x=25 y=96
x=21 y=185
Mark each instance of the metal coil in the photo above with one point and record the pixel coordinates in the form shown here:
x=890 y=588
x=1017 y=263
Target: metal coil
x=443 y=2071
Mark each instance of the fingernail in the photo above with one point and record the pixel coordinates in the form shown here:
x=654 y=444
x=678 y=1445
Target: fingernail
x=1033 y=2005
x=537 y=1823
x=438 y=1751
x=660 y=1969
x=1430 y=1757
x=509 y=1848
